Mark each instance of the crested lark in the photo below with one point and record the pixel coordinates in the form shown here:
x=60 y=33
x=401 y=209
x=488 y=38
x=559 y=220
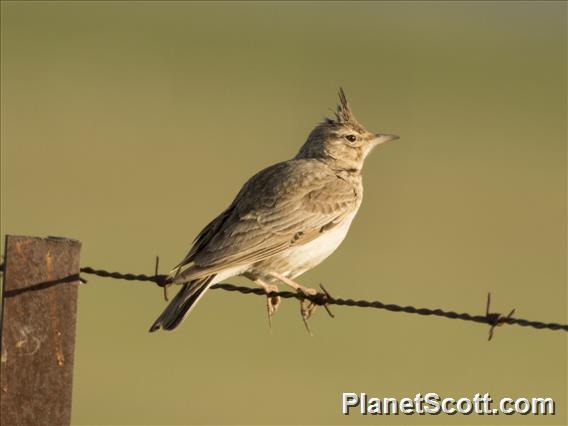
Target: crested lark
x=285 y=220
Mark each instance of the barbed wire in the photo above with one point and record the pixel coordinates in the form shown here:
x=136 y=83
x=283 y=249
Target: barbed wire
x=493 y=319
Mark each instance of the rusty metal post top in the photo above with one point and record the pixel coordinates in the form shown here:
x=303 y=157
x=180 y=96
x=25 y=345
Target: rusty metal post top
x=49 y=237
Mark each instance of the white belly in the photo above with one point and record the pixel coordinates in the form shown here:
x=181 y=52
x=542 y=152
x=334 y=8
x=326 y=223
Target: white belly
x=305 y=257
x=228 y=273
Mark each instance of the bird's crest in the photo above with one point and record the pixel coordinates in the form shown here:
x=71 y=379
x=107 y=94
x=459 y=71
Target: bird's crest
x=343 y=114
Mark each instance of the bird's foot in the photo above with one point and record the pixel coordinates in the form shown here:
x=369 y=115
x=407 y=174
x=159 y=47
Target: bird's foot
x=305 y=310
x=320 y=299
x=272 y=300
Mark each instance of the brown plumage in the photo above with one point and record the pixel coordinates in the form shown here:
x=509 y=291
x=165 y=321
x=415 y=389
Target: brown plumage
x=284 y=221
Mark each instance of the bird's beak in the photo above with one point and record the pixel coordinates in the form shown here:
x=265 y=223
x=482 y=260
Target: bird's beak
x=383 y=138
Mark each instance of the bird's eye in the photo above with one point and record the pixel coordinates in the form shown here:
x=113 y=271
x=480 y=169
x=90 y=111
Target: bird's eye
x=351 y=138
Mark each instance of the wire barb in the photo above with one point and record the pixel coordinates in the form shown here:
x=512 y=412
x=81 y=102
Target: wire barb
x=326 y=298
x=156 y=275
x=495 y=319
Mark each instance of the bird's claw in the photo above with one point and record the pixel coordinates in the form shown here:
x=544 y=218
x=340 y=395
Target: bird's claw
x=272 y=302
x=307 y=310
x=315 y=299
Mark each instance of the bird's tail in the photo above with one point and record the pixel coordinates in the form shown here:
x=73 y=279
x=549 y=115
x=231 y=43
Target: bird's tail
x=181 y=304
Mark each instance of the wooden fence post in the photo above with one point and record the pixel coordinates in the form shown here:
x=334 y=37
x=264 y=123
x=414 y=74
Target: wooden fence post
x=39 y=309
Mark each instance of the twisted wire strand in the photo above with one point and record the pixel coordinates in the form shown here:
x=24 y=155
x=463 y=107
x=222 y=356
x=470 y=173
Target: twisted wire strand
x=324 y=299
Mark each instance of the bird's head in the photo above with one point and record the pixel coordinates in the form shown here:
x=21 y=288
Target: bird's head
x=342 y=141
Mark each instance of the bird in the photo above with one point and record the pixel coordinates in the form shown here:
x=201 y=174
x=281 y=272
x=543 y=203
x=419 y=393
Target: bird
x=285 y=220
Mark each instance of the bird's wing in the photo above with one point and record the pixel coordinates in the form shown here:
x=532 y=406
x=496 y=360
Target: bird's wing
x=287 y=204
x=203 y=238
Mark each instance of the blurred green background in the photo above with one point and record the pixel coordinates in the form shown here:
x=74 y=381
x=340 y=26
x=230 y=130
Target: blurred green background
x=129 y=125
